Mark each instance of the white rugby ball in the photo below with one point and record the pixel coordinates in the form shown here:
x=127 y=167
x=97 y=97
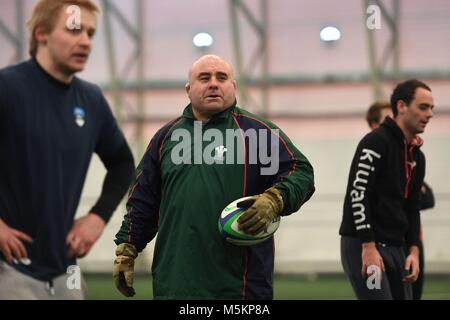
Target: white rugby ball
x=229 y=227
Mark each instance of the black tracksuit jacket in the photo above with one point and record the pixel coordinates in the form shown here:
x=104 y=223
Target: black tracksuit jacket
x=382 y=201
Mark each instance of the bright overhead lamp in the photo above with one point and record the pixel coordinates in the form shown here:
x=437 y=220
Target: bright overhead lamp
x=330 y=34
x=203 y=40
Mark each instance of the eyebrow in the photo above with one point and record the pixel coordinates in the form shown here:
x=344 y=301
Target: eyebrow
x=83 y=27
x=220 y=73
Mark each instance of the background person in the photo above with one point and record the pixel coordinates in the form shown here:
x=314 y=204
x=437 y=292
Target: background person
x=51 y=123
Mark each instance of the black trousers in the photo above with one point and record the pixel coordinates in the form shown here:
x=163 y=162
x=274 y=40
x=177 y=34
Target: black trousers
x=417 y=286
x=390 y=286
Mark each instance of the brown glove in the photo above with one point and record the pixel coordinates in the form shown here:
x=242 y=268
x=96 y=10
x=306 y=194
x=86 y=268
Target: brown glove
x=124 y=268
x=265 y=208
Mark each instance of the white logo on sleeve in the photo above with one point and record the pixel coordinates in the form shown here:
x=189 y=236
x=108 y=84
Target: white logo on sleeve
x=364 y=168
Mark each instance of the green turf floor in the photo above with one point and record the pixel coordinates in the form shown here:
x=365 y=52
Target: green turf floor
x=285 y=288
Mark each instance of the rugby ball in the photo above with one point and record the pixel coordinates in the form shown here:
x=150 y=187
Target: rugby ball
x=229 y=227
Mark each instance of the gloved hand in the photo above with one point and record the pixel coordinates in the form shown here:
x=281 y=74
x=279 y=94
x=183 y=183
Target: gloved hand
x=262 y=209
x=124 y=268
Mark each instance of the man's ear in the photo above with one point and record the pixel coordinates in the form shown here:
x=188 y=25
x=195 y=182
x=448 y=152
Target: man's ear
x=373 y=125
x=235 y=84
x=187 y=87
x=401 y=106
x=40 y=35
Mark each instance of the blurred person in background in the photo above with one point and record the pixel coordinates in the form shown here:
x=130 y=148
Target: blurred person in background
x=51 y=123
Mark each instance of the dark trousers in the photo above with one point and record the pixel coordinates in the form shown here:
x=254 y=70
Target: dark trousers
x=417 y=286
x=391 y=285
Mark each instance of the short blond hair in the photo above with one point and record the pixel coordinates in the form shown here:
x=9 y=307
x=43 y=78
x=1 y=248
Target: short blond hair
x=46 y=12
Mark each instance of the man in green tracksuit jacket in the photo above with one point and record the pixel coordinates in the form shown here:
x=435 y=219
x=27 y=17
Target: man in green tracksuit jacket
x=193 y=167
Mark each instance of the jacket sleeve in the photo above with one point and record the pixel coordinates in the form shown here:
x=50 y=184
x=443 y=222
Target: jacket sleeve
x=412 y=205
x=366 y=165
x=120 y=167
x=295 y=177
x=140 y=223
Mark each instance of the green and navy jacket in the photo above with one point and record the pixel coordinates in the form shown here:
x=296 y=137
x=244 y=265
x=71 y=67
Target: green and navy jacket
x=182 y=202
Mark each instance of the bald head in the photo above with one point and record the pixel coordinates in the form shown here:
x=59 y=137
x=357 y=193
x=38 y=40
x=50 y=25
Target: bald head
x=208 y=59
x=211 y=87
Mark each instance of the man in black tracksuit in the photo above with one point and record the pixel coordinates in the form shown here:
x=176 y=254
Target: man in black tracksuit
x=376 y=113
x=382 y=202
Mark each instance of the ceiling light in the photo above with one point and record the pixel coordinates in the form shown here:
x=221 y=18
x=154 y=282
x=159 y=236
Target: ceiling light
x=203 y=40
x=329 y=34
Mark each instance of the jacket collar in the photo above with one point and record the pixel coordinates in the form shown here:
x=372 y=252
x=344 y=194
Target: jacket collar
x=33 y=62
x=189 y=114
x=398 y=133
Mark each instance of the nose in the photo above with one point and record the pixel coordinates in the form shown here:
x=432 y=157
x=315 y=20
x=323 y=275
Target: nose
x=85 y=39
x=213 y=83
x=430 y=113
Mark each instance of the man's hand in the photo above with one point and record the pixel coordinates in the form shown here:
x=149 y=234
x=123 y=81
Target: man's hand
x=84 y=233
x=265 y=208
x=11 y=243
x=123 y=272
x=370 y=257
x=412 y=264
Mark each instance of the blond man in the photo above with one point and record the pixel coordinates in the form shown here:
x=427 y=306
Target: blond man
x=51 y=123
